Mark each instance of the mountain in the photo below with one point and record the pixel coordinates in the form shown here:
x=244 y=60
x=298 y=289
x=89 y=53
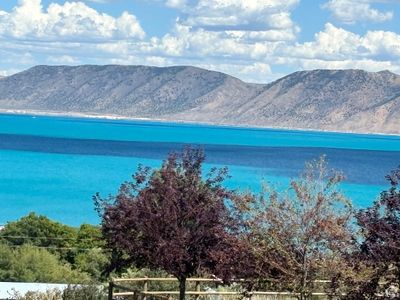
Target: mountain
x=339 y=100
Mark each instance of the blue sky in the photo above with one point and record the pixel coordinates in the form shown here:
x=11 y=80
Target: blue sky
x=254 y=40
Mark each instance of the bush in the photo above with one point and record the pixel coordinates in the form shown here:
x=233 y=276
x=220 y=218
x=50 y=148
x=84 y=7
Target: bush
x=32 y=264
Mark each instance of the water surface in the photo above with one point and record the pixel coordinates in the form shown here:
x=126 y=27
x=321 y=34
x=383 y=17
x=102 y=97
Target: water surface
x=54 y=165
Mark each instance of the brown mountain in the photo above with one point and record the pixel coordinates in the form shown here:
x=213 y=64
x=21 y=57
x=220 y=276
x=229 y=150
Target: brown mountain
x=340 y=100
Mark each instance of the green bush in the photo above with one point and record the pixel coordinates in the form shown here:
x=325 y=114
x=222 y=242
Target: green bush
x=32 y=264
x=93 y=262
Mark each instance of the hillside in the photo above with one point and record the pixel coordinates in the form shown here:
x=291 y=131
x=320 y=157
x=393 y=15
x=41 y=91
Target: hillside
x=340 y=100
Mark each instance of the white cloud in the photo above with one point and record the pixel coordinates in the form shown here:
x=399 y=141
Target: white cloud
x=20 y=57
x=363 y=64
x=352 y=11
x=256 y=72
x=257 y=19
x=383 y=43
x=74 y=33
x=63 y=59
x=335 y=43
x=200 y=43
x=9 y=72
x=71 y=21
x=247 y=39
x=251 y=60
x=227 y=29
x=273 y=13
x=176 y=3
x=336 y=48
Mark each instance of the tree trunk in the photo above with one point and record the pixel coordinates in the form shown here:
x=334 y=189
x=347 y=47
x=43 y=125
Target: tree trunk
x=182 y=288
x=304 y=276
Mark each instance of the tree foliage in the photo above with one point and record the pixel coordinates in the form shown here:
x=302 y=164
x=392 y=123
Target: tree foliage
x=93 y=262
x=42 y=232
x=38 y=231
x=79 y=248
x=171 y=218
x=298 y=235
x=31 y=264
x=379 y=251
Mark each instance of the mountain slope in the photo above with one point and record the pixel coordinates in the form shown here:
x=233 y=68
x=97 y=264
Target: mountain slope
x=342 y=100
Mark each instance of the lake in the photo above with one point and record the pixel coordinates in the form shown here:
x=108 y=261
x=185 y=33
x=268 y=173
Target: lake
x=54 y=165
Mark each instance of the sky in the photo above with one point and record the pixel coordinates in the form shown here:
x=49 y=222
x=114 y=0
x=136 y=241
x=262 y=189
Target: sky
x=254 y=40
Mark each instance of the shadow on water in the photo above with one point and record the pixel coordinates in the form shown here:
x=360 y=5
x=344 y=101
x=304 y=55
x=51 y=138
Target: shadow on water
x=359 y=166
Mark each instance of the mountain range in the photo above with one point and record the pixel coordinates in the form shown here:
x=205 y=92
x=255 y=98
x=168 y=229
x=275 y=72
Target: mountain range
x=336 y=100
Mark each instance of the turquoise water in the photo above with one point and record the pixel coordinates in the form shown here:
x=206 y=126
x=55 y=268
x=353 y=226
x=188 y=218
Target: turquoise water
x=54 y=165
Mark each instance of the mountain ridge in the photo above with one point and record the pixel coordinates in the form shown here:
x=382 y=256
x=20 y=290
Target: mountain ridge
x=336 y=100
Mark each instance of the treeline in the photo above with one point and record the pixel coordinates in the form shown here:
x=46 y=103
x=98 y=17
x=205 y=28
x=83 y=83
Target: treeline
x=185 y=223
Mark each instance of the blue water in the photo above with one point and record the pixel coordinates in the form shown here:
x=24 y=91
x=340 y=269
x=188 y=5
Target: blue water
x=54 y=165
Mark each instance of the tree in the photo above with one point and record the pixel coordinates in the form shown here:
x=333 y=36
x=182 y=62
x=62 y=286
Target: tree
x=379 y=250
x=170 y=218
x=32 y=264
x=93 y=262
x=297 y=233
x=42 y=232
x=66 y=241
x=89 y=237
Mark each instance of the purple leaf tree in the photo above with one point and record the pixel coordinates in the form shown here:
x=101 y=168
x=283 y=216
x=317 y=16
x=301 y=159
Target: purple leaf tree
x=173 y=219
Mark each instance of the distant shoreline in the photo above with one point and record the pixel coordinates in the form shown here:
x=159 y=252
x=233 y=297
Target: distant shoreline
x=185 y=122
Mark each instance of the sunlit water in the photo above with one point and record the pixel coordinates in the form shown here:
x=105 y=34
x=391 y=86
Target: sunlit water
x=54 y=165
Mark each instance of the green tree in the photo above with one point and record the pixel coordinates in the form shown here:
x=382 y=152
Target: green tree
x=89 y=237
x=42 y=232
x=93 y=262
x=6 y=260
x=32 y=264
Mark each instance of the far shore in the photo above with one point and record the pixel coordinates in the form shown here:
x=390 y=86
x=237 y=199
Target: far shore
x=161 y=120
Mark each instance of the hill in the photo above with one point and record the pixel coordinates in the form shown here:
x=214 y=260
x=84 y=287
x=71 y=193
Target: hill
x=339 y=100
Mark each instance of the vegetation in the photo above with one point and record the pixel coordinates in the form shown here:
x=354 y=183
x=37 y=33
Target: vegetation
x=171 y=219
x=72 y=292
x=37 y=249
x=63 y=240
x=31 y=264
x=375 y=266
x=178 y=221
x=298 y=235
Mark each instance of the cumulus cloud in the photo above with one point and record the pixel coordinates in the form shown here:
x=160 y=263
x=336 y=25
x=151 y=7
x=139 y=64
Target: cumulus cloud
x=70 y=21
x=335 y=43
x=273 y=13
x=261 y=19
x=352 y=11
x=251 y=40
x=256 y=72
x=200 y=43
x=337 y=48
x=226 y=30
x=240 y=37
